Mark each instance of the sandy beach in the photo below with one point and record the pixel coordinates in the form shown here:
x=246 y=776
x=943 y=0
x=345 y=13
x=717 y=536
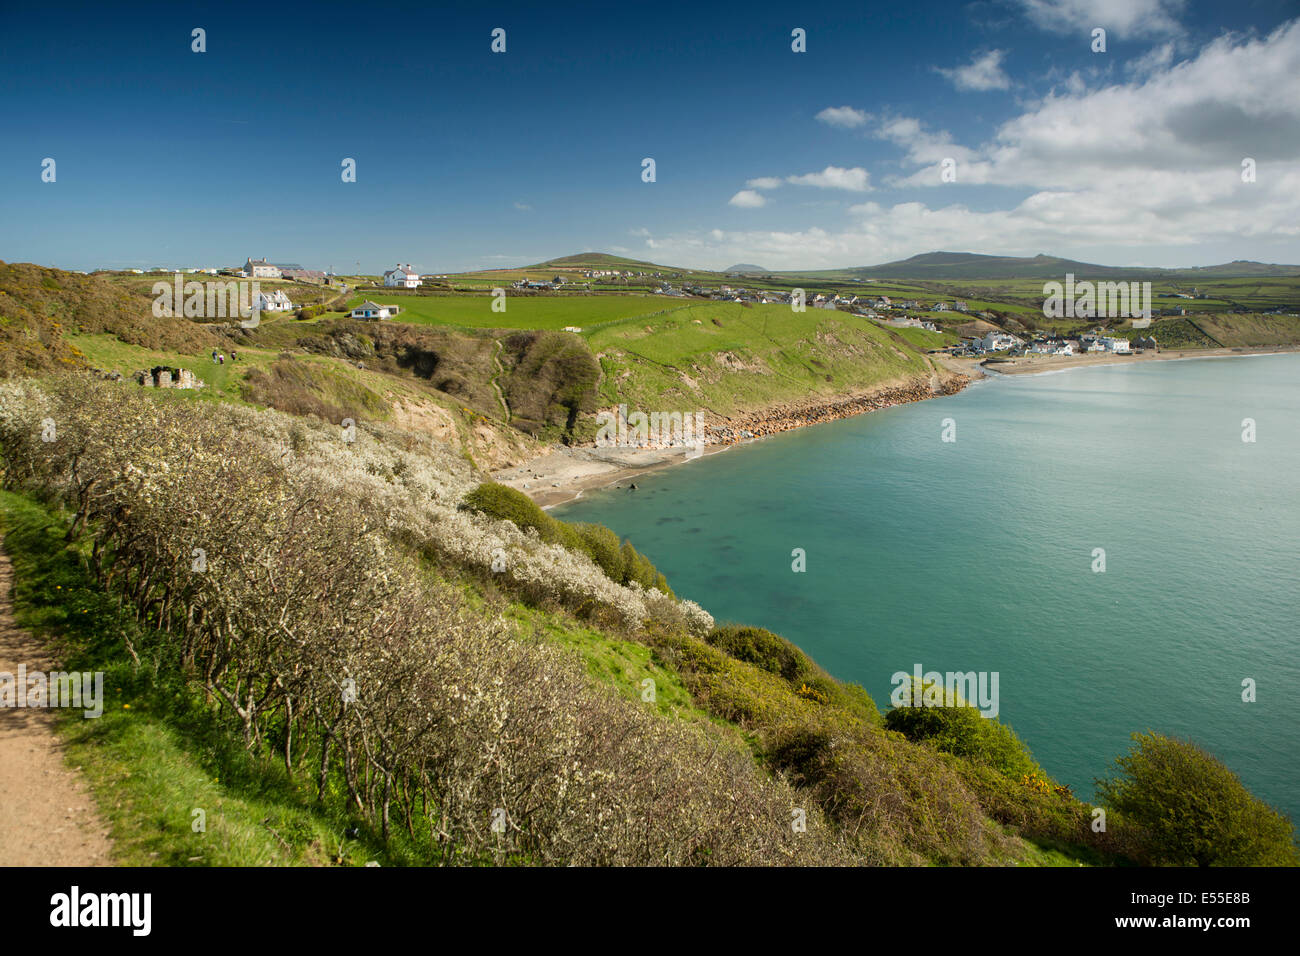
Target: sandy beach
x=563 y=474
x=1033 y=364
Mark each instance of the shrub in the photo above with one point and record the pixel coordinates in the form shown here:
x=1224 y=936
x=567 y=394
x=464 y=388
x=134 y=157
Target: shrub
x=639 y=569
x=776 y=655
x=1193 y=809
x=957 y=727
x=623 y=565
x=602 y=545
x=761 y=647
x=499 y=501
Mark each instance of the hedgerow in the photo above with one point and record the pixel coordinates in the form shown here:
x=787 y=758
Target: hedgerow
x=272 y=575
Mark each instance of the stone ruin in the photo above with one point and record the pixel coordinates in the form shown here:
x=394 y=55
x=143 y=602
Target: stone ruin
x=162 y=376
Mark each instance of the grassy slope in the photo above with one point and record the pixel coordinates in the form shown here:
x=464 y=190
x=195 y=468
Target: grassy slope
x=727 y=358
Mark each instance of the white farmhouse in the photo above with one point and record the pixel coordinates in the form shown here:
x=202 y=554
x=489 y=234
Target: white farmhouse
x=275 y=301
x=1120 y=346
x=402 y=277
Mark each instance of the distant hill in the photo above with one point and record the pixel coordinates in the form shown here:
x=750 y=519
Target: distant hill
x=603 y=260
x=747 y=268
x=970 y=265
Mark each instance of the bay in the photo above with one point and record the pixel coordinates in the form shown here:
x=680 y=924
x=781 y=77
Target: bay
x=978 y=554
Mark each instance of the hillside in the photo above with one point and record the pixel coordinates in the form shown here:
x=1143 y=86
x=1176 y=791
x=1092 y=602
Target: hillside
x=515 y=685
x=602 y=260
x=478 y=386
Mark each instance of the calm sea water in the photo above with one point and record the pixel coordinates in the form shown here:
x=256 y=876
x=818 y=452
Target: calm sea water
x=978 y=554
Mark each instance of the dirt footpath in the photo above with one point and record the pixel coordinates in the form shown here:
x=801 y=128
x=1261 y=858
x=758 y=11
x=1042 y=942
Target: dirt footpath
x=47 y=815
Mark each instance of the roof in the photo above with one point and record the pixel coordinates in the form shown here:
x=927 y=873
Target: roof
x=370 y=305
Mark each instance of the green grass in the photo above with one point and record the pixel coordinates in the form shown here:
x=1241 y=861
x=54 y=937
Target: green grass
x=158 y=754
x=729 y=358
x=546 y=312
x=623 y=663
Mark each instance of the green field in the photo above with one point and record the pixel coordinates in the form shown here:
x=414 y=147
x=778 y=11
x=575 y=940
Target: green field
x=545 y=312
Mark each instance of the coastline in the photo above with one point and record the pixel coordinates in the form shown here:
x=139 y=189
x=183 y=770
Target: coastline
x=563 y=474
x=1039 y=364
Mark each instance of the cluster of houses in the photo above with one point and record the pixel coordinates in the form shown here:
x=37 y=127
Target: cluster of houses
x=554 y=283
x=626 y=274
x=1095 y=341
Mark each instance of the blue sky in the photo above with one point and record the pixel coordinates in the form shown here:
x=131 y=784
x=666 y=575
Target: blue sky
x=468 y=159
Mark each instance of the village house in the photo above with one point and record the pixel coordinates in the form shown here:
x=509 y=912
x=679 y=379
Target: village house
x=261 y=269
x=275 y=301
x=371 y=310
x=998 y=341
x=402 y=277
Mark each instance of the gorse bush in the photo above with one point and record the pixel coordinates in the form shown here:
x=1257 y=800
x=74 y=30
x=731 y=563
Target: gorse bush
x=621 y=564
x=776 y=655
x=1194 y=811
x=769 y=651
x=957 y=727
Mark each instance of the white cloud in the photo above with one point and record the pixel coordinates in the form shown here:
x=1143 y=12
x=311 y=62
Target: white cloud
x=1108 y=174
x=835 y=177
x=982 y=73
x=844 y=116
x=747 y=199
x=764 y=182
x=1127 y=18
x=523 y=207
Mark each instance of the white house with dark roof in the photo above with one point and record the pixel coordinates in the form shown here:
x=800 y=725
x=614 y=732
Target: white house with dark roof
x=403 y=277
x=371 y=310
x=275 y=301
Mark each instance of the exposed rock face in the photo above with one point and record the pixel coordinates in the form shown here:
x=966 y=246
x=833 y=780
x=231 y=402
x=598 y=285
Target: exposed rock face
x=785 y=417
x=163 y=377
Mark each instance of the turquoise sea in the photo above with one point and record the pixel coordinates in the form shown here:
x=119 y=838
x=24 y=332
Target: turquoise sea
x=978 y=554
